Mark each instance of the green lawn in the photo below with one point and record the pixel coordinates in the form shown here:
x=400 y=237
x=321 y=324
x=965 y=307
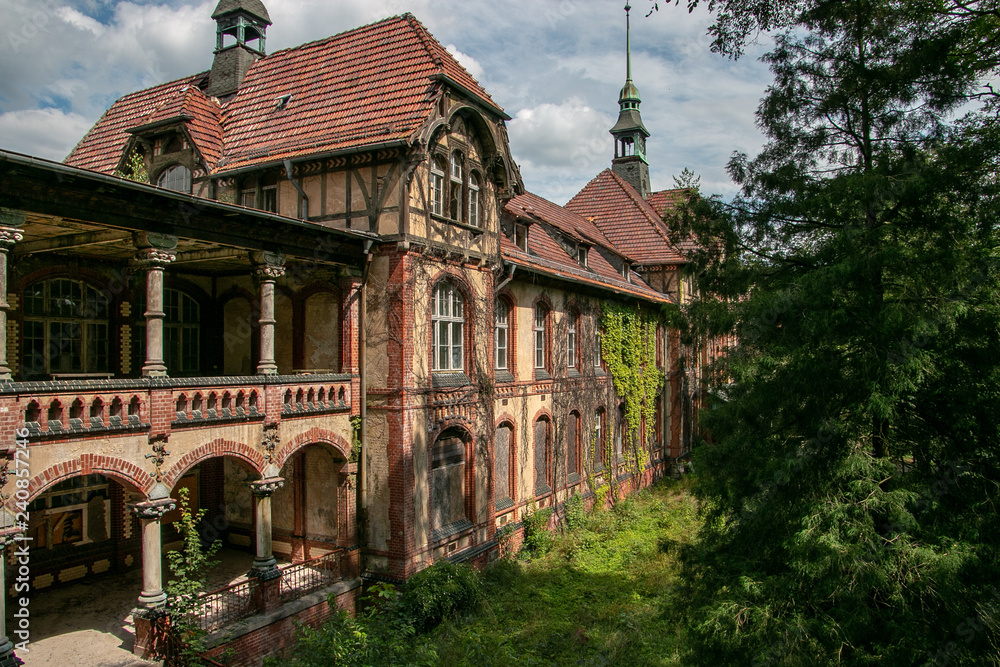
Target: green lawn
x=603 y=595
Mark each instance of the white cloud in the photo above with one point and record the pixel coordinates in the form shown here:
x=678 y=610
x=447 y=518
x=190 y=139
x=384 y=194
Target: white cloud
x=470 y=64
x=560 y=67
x=44 y=133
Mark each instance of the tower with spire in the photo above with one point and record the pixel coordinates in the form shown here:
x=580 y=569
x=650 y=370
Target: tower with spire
x=630 y=134
x=241 y=26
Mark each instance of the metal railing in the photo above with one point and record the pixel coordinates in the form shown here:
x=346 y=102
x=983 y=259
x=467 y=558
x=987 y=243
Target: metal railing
x=227 y=605
x=309 y=576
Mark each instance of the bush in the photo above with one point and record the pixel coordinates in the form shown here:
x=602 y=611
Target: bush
x=574 y=511
x=537 y=538
x=438 y=592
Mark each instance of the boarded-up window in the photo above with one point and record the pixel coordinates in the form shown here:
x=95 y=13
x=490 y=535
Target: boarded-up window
x=541 y=457
x=501 y=468
x=573 y=443
x=447 y=480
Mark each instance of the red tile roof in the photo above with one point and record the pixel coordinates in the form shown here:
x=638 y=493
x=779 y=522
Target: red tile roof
x=577 y=227
x=101 y=149
x=371 y=85
x=626 y=218
x=547 y=256
x=666 y=200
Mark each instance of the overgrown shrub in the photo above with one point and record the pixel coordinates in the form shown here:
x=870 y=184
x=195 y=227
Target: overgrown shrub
x=574 y=511
x=537 y=538
x=440 y=591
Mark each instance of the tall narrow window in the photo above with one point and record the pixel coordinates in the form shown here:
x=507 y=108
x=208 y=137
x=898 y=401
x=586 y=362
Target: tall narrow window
x=521 y=237
x=448 y=482
x=571 y=340
x=573 y=444
x=448 y=322
x=542 y=485
x=181 y=332
x=597 y=348
x=65 y=329
x=474 y=203
x=501 y=337
x=541 y=314
x=437 y=187
x=601 y=455
x=455 y=207
x=503 y=493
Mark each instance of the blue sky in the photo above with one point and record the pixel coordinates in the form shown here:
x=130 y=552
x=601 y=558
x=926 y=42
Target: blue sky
x=556 y=66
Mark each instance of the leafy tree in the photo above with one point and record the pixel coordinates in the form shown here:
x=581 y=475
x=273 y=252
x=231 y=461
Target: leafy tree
x=134 y=168
x=850 y=491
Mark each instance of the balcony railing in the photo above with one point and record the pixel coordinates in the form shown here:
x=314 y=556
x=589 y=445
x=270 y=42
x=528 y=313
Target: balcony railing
x=310 y=576
x=67 y=408
x=220 y=608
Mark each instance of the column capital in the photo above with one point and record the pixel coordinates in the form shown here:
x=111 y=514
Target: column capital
x=268 y=265
x=153 y=509
x=153 y=258
x=11 y=217
x=8 y=536
x=263 y=488
x=9 y=236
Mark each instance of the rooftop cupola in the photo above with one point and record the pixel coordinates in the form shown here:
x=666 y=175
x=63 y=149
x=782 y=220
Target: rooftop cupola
x=630 y=134
x=241 y=27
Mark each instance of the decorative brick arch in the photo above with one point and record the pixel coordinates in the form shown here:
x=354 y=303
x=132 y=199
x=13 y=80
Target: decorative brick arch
x=128 y=474
x=214 y=449
x=313 y=436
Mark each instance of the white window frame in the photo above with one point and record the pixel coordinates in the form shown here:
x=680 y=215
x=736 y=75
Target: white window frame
x=447 y=328
x=571 y=341
x=437 y=188
x=475 y=210
x=539 y=330
x=501 y=336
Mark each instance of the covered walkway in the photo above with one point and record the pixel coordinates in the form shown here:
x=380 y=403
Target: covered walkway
x=90 y=623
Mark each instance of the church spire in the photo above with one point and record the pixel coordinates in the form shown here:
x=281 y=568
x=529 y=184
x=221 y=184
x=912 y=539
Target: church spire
x=630 y=134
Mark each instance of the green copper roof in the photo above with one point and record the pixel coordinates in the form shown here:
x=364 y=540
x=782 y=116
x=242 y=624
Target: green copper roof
x=255 y=8
x=629 y=93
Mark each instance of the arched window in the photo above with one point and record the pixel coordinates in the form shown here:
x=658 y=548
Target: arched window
x=177 y=177
x=541 y=349
x=437 y=186
x=448 y=324
x=573 y=446
x=455 y=202
x=501 y=337
x=448 y=486
x=503 y=477
x=571 y=326
x=475 y=205
x=65 y=329
x=542 y=472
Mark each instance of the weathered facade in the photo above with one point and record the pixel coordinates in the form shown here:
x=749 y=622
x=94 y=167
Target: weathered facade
x=337 y=319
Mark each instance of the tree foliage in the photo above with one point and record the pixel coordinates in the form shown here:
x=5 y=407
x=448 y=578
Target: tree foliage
x=850 y=493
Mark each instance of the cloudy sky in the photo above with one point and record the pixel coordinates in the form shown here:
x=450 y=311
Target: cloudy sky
x=556 y=66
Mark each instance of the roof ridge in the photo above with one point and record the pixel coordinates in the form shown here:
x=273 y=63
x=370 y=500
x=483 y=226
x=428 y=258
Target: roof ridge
x=189 y=79
x=339 y=35
x=643 y=206
x=425 y=37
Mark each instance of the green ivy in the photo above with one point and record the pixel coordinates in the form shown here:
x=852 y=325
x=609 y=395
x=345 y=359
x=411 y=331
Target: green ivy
x=628 y=347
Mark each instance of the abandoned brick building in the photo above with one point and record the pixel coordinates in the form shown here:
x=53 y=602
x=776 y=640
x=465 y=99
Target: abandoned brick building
x=334 y=314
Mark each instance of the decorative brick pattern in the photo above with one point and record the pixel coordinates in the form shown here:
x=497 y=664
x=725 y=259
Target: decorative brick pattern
x=311 y=437
x=218 y=447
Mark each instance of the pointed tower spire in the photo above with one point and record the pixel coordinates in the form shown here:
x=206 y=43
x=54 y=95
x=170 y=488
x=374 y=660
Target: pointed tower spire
x=630 y=134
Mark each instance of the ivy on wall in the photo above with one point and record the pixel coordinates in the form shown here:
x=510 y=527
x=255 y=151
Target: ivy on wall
x=628 y=347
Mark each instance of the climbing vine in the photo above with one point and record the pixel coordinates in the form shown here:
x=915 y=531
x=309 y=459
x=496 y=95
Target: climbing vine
x=628 y=346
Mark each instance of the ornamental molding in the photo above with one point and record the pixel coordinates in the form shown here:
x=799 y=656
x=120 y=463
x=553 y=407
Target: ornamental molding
x=263 y=488
x=9 y=236
x=154 y=509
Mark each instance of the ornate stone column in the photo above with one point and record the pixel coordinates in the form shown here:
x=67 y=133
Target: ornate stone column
x=270 y=267
x=265 y=566
x=155 y=251
x=7 y=658
x=152 y=598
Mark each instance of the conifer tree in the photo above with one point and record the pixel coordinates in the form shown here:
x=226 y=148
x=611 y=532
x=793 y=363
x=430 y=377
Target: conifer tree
x=851 y=485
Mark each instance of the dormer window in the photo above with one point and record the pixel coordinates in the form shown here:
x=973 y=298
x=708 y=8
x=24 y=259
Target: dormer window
x=283 y=101
x=626 y=271
x=177 y=178
x=521 y=236
x=581 y=255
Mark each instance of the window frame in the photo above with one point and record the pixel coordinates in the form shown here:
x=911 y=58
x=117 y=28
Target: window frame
x=475 y=201
x=450 y=320
x=540 y=337
x=466 y=475
x=437 y=181
x=95 y=348
x=166 y=176
x=572 y=347
x=499 y=306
